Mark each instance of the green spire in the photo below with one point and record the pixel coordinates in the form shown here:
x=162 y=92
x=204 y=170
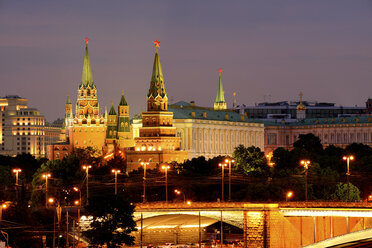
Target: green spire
x=112 y=110
x=157 y=79
x=220 y=98
x=68 y=101
x=86 y=77
x=123 y=102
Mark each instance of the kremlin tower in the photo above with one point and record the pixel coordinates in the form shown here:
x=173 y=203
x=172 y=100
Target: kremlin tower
x=220 y=103
x=157 y=141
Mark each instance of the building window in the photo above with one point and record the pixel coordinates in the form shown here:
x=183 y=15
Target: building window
x=271 y=139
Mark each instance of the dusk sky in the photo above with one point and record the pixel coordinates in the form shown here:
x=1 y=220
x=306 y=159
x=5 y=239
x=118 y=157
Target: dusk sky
x=268 y=50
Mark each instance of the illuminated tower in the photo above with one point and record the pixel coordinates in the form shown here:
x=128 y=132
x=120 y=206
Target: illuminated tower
x=68 y=119
x=124 y=134
x=88 y=127
x=220 y=103
x=301 y=109
x=111 y=130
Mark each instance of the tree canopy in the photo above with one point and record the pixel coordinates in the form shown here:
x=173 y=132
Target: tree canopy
x=112 y=221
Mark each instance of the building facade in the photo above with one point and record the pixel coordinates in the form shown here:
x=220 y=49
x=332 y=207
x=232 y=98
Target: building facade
x=23 y=128
x=331 y=131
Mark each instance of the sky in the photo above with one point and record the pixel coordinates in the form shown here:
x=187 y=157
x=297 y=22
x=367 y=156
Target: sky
x=268 y=50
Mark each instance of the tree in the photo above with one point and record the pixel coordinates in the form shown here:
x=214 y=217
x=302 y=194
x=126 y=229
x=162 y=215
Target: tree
x=341 y=192
x=65 y=174
x=112 y=221
x=250 y=160
x=309 y=143
x=200 y=166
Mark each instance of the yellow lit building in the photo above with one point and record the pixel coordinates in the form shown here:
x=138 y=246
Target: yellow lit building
x=211 y=132
x=23 y=128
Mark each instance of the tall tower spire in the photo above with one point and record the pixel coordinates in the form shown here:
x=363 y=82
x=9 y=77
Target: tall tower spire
x=87 y=76
x=157 y=99
x=220 y=103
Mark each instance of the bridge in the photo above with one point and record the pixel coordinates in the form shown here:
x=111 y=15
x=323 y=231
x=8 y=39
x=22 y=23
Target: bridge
x=289 y=224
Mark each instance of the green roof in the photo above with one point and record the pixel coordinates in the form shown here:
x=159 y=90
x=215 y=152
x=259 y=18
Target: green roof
x=123 y=102
x=112 y=110
x=220 y=98
x=320 y=121
x=87 y=76
x=157 y=80
x=183 y=110
x=68 y=101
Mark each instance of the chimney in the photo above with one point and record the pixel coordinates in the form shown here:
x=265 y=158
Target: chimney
x=192 y=103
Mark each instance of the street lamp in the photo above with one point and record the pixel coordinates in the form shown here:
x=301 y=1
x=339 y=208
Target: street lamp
x=116 y=179
x=2 y=206
x=229 y=161
x=348 y=159
x=78 y=203
x=86 y=168
x=222 y=179
x=306 y=164
x=179 y=192
x=166 y=168
x=16 y=171
x=46 y=176
x=144 y=164
x=288 y=195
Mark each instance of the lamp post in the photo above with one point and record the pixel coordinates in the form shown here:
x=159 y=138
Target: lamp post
x=178 y=192
x=229 y=161
x=348 y=159
x=16 y=171
x=166 y=168
x=144 y=164
x=46 y=176
x=2 y=206
x=116 y=179
x=288 y=195
x=86 y=168
x=306 y=164
x=78 y=203
x=222 y=180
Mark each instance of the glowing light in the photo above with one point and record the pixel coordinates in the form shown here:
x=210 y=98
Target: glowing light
x=50 y=200
x=220 y=71
x=327 y=212
x=188 y=203
x=17 y=170
x=305 y=163
x=87 y=167
x=76 y=202
x=4 y=206
x=86 y=40
x=348 y=157
x=138 y=149
x=46 y=175
x=159 y=148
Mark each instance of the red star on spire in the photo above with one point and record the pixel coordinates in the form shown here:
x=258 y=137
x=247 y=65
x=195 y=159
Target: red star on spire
x=156 y=43
x=220 y=71
x=86 y=40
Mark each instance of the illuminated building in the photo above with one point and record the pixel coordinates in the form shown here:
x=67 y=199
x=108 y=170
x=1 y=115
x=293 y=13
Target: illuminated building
x=22 y=128
x=211 y=132
x=87 y=127
x=340 y=131
x=157 y=141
